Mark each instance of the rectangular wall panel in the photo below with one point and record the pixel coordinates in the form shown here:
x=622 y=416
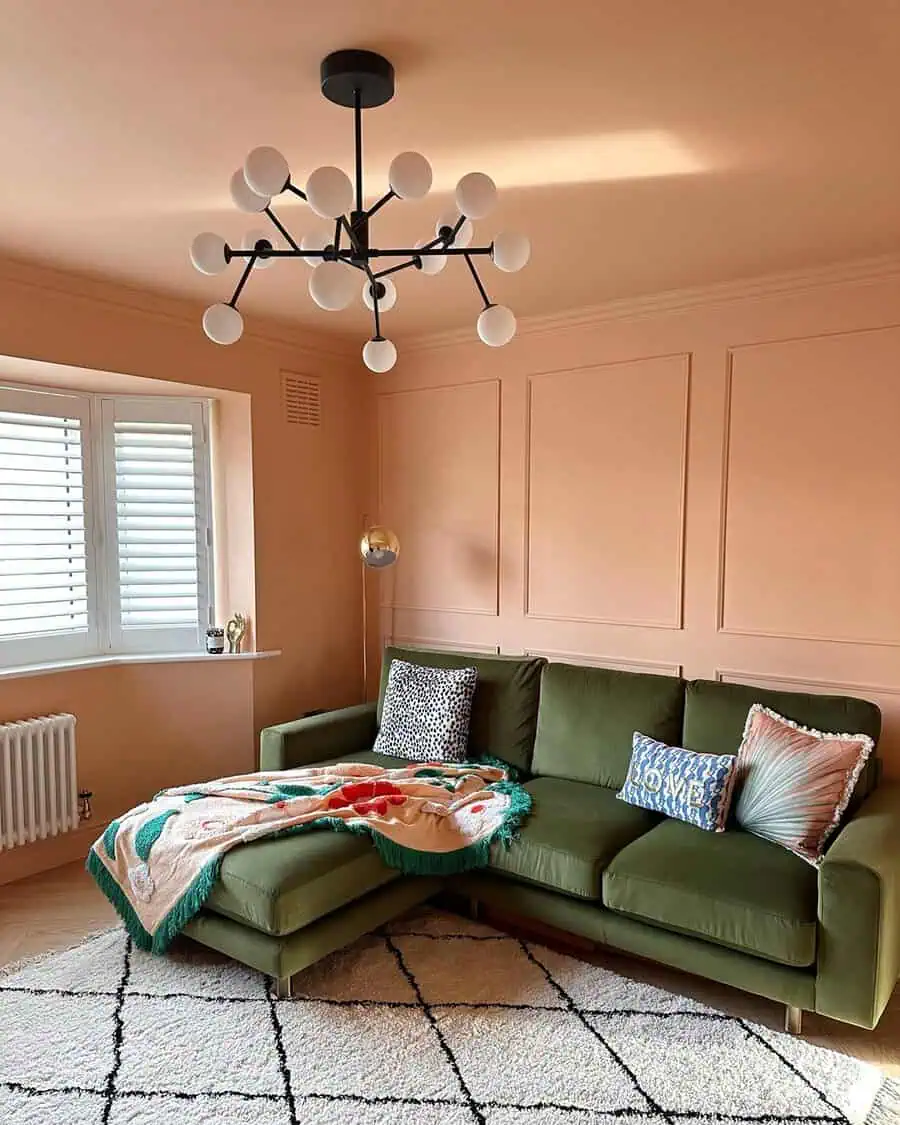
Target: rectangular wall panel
x=887 y=698
x=811 y=514
x=439 y=476
x=606 y=486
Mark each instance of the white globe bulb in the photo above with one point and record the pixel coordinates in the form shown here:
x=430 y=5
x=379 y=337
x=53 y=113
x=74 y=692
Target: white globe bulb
x=332 y=285
x=510 y=251
x=476 y=195
x=252 y=237
x=208 y=253
x=223 y=324
x=379 y=355
x=497 y=325
x=244 y=197
x=463 y=235
x=266 y=171
x=316 y=239
x=329 y=192
x=431 y=263
x=385 y=303
x=410 y=175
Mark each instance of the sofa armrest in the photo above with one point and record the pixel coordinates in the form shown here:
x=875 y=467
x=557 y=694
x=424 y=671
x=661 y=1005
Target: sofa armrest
x=318 y=738
x=859 y=913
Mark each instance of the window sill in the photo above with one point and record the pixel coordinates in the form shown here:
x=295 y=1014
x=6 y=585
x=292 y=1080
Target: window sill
x=49 y=667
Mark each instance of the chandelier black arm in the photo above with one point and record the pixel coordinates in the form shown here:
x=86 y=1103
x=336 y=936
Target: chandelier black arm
x=430 y=251
x=386 y=198
x=337 y=236
x=291 y=187
x=416 y=261
x=376 y=313
x=344 y=256
x=477 y=280
x=248 y=269
x=282 y=229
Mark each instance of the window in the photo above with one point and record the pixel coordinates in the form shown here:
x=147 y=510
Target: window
x=105 y=536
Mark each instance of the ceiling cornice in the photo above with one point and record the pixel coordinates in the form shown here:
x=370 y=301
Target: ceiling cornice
x=859 y=270
x=175 y=310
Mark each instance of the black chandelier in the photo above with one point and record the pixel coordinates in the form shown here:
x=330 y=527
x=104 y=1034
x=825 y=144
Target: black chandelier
x=357 y=80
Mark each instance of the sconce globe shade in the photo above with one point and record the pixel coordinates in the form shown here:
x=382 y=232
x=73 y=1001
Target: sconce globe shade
x=266 y=171
x=316 y=239
x=244 y=197
x=329 y=192
x=223 y=324
x=385 y=303
x=476 y=195
x=510 y=251
x=410 y=175
x=497 y=325
x=208 y=253
x=379 y=547
x=332 y=285
x=379 y=355
x=431 y=263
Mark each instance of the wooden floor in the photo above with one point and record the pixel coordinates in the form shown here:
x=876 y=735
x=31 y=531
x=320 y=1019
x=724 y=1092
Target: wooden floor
x=58 y=908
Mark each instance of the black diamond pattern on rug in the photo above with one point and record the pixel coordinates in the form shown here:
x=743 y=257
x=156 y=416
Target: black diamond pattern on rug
x=433 y=1021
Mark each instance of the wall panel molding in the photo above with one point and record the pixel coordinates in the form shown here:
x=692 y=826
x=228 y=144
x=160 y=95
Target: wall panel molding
x=802 y=683
x=442 y=645
x=676 y=622
x=733 y=353
x=493 y=609
x=618 y=664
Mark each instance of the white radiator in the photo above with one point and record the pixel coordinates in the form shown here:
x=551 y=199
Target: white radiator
x=38 y=785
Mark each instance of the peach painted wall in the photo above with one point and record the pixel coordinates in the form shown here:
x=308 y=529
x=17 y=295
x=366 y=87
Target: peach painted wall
x=145 y=726
x=705 y=486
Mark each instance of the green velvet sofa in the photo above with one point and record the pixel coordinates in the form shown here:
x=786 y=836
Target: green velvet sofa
x=729 y=906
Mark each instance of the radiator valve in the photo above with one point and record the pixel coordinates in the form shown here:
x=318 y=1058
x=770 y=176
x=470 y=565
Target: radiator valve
x=84 y=804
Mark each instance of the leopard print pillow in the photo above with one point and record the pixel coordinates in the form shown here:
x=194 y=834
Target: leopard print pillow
x=425 y=713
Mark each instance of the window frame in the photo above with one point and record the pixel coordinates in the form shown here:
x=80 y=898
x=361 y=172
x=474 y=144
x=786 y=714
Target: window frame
x=105 y=635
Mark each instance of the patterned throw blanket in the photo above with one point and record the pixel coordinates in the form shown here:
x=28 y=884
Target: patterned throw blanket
x=159 y=862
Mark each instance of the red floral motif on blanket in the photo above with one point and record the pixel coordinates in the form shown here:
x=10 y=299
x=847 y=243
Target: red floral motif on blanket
x=367 y=797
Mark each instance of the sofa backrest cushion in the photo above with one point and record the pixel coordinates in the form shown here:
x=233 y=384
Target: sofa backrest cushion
x=715 y=714
x=505 y=707
x=588 y=717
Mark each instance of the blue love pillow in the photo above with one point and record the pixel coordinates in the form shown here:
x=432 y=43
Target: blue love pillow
x=692 y=787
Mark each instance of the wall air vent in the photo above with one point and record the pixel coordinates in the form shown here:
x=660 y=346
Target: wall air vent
x=302 y=400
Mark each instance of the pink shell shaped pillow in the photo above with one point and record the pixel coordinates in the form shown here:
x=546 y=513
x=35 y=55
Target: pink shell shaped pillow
x=794 y=783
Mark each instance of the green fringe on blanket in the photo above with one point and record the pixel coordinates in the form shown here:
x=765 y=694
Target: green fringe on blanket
x=407 y=860
x=174 y=922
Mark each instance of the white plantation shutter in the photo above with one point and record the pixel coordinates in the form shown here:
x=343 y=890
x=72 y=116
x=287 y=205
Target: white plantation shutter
x=46 y=580
x=105 y=535
x=159 y=531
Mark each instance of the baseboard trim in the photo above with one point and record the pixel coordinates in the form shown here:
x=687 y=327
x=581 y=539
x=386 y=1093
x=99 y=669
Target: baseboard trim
x=44 y=855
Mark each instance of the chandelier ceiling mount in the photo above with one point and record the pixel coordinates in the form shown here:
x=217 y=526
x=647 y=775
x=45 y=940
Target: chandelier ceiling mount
x=339 y=253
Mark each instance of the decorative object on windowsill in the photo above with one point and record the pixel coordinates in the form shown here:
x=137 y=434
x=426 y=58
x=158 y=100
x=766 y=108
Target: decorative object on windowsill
x=357 y=80
x=215 y=640
x=234 y=633
x=379 y=548
x=85 y=812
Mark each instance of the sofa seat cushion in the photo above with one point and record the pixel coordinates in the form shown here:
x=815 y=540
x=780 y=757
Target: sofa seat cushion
x=376 y=758
x=732 y=888
x=574 y=830
x=280 y=885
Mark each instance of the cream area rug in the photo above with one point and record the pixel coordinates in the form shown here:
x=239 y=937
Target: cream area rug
x=433 y=1021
